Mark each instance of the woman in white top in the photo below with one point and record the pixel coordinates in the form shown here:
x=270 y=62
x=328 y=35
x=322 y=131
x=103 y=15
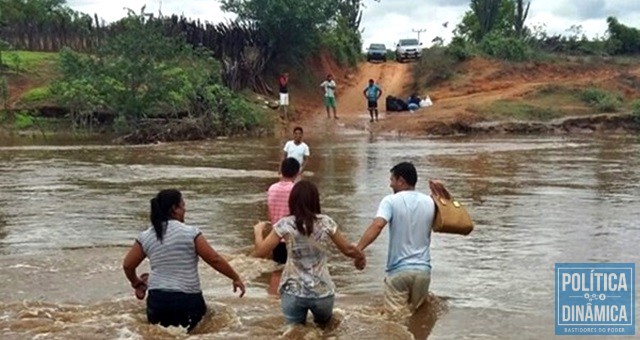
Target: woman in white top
x=305 y=283
x=173 y=249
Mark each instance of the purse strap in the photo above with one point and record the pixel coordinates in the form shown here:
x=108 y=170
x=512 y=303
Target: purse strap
x=438 y=190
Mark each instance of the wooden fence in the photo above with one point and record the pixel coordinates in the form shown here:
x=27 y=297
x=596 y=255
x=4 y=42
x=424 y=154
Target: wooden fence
x=242 y=50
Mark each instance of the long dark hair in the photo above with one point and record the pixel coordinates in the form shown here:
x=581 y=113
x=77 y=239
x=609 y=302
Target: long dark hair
x=161 y=207
x=304 y=204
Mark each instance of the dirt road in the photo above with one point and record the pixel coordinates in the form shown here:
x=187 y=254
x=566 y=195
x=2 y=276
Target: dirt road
x=394 y=79
x=477 y=82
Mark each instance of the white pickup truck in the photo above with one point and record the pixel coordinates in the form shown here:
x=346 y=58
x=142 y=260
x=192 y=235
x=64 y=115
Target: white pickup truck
x=407 y=49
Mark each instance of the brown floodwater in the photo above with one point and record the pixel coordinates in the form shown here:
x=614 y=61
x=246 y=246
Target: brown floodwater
x=69 y=212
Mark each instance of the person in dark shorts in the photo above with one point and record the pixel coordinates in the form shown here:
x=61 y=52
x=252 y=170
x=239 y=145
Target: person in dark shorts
x=175 y=308
x=280 y=253
x=173 y=248
x=278 y=205
x=372 y=92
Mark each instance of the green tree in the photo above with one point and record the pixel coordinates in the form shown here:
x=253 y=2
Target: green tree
x=344 y=43
x=26 y=16
x=486 y=12
x=139 y=72
x=135 y=77
x=622 y=39
x=294 y=27
x=78 y=90
x=522 y=11
x=27 y=23
x=487 y=16
x=351 y=12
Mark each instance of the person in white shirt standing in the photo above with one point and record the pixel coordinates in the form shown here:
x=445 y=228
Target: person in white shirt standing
x=283 y=83
x=329 y=86
x=296 y=148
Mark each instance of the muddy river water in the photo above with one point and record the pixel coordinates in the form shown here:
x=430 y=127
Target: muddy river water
x=69 y=212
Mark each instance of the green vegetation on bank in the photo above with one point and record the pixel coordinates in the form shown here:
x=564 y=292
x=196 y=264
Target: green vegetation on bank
x=300 y=29
x=142 y=69
x=151 y=75
x=4 y=94
x=602 y=100
x=138 y=80
x=23 y=61
x=155 y=77
x=301 y=32
x=496 y=29
x=517 y=110
x=37 y=95
x=555 y=101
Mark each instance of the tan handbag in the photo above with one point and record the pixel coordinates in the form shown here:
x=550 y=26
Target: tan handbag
x=451 y=217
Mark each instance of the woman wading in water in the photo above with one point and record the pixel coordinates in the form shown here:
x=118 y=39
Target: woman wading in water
x=305 y=284
x=173 y=249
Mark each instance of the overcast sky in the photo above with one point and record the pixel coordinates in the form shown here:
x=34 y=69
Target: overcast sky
x=386 y=21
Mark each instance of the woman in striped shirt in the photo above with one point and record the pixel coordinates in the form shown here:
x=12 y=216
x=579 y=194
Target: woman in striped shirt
x=173 y=249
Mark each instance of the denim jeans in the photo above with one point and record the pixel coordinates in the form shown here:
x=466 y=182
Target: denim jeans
x=295 y=309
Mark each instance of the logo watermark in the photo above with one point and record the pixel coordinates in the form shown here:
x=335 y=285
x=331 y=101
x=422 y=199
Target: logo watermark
x=595 y=298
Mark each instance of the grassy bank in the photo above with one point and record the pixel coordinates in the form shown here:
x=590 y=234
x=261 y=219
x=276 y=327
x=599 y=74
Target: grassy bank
x=30 y=62
x=555 y=101
x=543 y=89
x=35 y=101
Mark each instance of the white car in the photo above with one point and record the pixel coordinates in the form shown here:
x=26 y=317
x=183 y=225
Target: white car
x=407 y=49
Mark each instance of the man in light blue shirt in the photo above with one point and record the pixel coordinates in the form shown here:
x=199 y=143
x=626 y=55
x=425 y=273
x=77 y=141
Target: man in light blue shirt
x=409 y=215
x=372 y=93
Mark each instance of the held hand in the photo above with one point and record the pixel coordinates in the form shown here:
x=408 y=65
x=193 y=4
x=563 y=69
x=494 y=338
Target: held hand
x=237 y=284
x=261 y=227
x=257 y=229
x=360 y=263
x=138 y=284
x=140 y=287
x=260 y=231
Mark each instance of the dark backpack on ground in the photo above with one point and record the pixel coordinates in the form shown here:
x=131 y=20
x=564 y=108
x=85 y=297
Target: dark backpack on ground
x=395 y=104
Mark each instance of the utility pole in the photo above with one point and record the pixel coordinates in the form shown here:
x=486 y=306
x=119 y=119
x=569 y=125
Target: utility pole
x=419 y=31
